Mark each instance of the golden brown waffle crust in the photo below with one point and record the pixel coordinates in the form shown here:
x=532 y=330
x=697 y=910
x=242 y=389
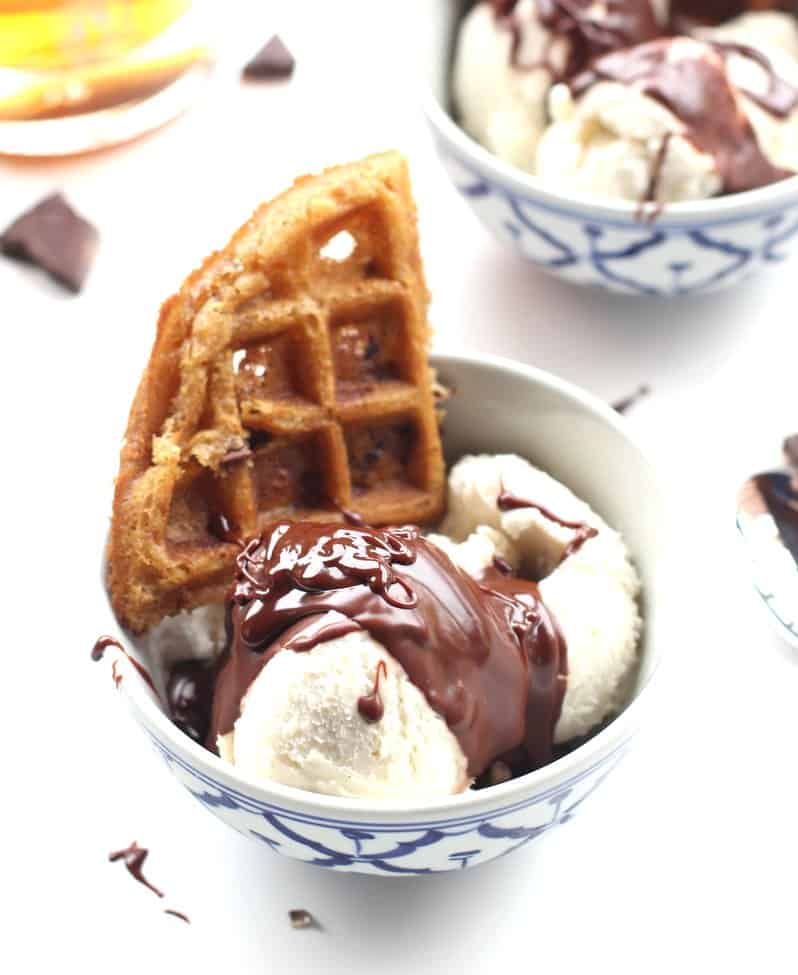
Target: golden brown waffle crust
x=193 y=422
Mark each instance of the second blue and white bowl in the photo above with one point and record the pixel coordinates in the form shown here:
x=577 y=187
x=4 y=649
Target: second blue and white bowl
x=690 y=247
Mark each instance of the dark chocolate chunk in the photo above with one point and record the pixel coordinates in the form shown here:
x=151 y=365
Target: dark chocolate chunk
x=790 y=448
x=56 y=239
x=301 y=919
x=274 y=60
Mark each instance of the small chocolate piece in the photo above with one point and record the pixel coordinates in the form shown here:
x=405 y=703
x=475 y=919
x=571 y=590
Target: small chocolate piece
x=55 y=238
x=625 y=403
x=220 y=526
x=790 y=449
x=274 y=60
x=189 y=692
x=301 y=919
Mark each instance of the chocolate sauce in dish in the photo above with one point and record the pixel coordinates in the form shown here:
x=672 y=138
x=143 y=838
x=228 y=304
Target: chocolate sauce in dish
x=189 y=692
x=589 y=30
x=689 y=78
x=487 y=654
x=582 y=531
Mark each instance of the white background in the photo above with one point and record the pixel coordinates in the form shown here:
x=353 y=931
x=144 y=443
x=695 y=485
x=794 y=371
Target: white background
x=685 y=861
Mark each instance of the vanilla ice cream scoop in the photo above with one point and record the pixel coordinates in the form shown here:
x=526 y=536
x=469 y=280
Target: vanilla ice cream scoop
x=661 y=122
x=364 y=662
x=509 y=52
x=592 y=591
x=344 y=719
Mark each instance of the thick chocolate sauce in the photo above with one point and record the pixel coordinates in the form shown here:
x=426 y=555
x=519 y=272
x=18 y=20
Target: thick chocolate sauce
x=134 y=857
x=370 y=706
x=582 y=531
x=590 y=32
x=102 y=645
x=697 y=90
x=487 y=655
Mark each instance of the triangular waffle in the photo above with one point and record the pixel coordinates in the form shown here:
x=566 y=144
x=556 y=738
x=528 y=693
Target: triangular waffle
x=286 y=380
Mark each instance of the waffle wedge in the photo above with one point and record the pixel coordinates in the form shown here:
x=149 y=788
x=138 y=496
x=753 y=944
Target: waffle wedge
x=288 y=378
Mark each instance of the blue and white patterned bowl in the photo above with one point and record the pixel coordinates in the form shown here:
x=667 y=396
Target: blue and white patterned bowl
x=690 y=247
x=499 y=406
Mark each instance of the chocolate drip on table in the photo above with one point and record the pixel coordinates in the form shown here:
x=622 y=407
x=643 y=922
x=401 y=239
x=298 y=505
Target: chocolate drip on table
x=487 y=655
x=697 y=90
x=621 y=23
x=582 y=531
x=133 y=857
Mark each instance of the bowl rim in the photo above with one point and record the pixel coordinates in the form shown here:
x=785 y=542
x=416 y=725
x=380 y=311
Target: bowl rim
x=589 y=754
x=711 y=211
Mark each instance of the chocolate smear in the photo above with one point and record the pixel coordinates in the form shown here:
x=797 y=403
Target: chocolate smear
x=53 y=237
x=274 y=60
x=625 y=403
x=180 y=914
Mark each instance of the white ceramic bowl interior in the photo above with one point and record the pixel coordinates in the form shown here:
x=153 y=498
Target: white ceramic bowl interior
x=689 y=247
x=498 y=406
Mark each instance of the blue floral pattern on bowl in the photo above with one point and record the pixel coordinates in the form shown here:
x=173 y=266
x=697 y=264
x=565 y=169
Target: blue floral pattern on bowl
x=415 y=847
x=659 y=257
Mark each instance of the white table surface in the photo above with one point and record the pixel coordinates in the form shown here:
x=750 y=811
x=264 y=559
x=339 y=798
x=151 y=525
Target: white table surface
x=685 y=861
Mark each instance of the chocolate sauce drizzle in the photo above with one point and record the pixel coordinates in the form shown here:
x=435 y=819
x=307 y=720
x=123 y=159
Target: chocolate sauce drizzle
x=133 y=857
x=370 y=706
x=781 y=97
x=487 y=654
x=697 y=90
x=582 y=531
x=589 y=33
x=102 y=644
